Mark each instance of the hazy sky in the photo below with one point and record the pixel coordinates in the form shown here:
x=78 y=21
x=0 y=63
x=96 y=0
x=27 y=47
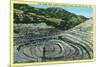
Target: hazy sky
x=87 y=12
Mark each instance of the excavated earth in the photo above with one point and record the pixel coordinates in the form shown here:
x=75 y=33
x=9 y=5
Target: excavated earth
x=40 y=43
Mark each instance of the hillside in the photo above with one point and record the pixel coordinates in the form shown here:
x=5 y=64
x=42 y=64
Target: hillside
x=49 y=44
x=53 y=16
x=51 y=34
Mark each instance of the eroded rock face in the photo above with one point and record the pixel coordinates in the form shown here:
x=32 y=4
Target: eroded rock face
x=40 y=45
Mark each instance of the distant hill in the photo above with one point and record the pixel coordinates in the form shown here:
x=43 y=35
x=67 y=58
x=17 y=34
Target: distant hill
x=87 y=26
x=57 y=17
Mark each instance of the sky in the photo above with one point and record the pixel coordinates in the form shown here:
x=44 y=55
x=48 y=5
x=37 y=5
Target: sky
x=87 y=12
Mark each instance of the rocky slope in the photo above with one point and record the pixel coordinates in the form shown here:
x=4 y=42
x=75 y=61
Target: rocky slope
x=40 y=44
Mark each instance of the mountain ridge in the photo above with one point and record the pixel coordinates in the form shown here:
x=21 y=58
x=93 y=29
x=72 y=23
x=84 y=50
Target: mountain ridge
x=54 y=16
